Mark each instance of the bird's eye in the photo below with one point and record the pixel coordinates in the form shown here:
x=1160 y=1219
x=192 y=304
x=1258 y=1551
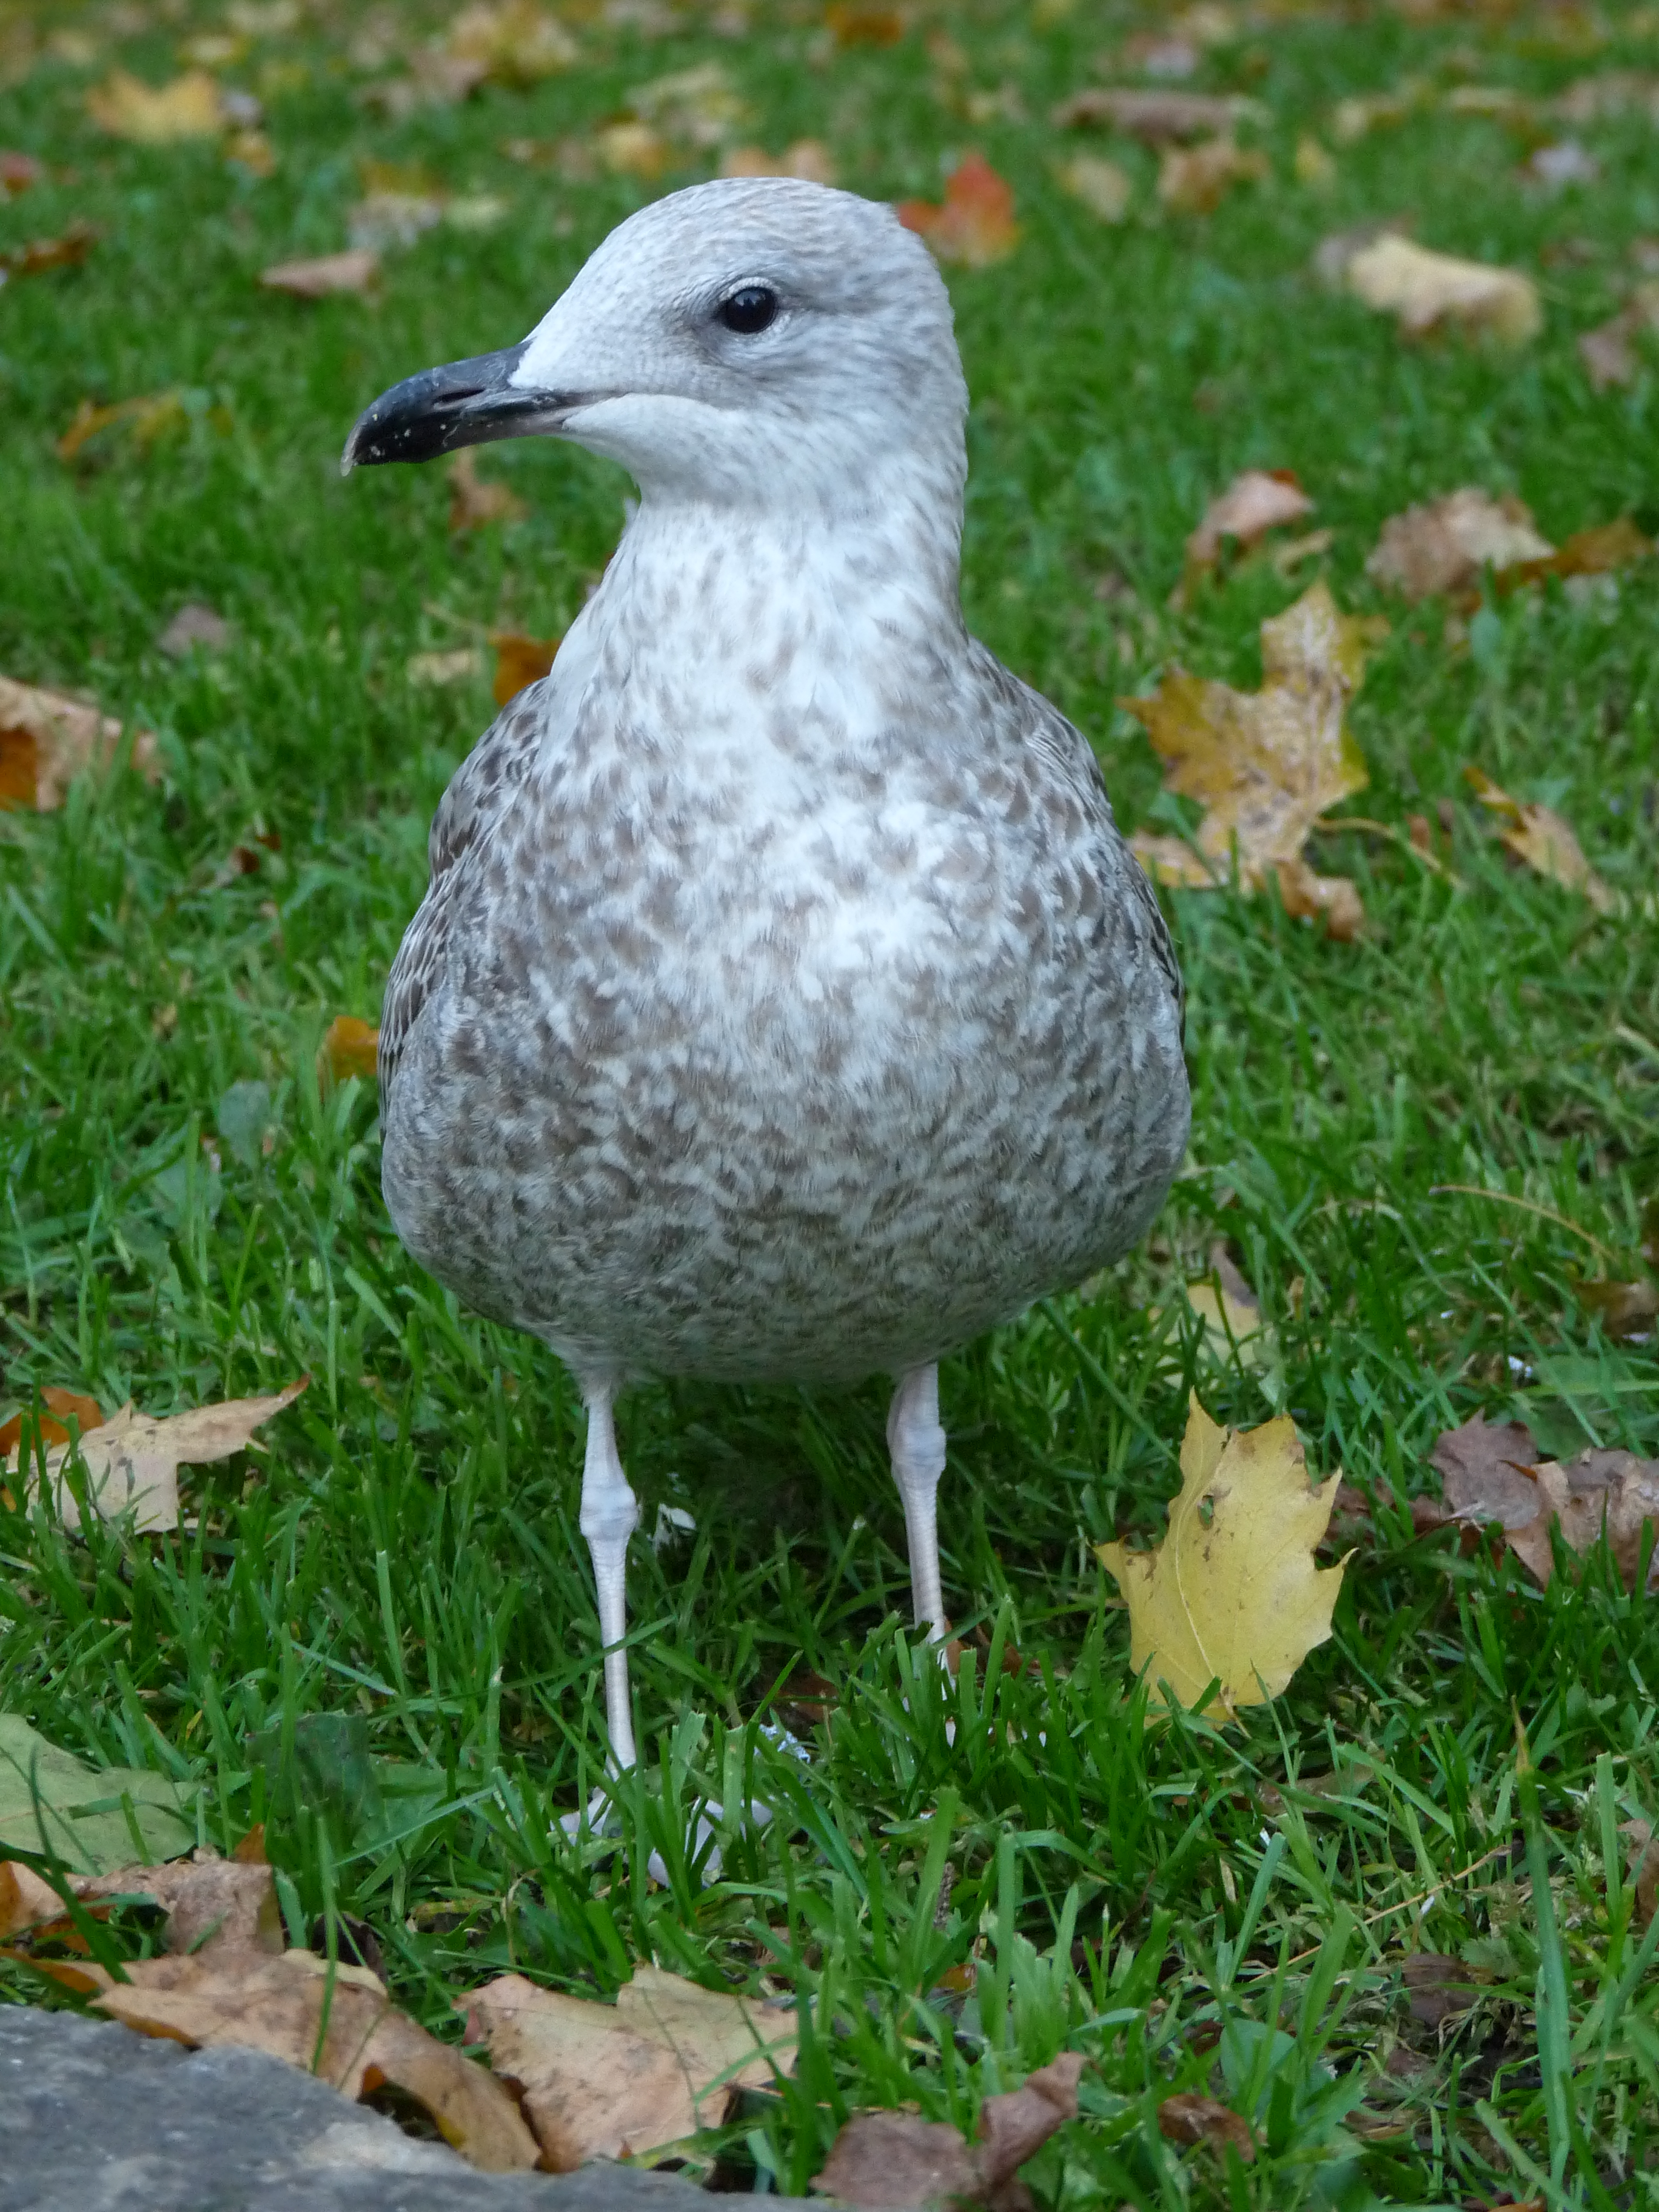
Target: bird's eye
x=749 y=309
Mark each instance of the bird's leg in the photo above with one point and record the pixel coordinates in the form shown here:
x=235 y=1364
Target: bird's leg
x=917 y=1444
x=610 y=1514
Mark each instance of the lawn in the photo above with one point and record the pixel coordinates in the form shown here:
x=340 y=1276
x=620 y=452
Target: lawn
x=378 y=1636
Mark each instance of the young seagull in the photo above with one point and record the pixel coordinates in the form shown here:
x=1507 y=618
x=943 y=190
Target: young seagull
x=784 y=1004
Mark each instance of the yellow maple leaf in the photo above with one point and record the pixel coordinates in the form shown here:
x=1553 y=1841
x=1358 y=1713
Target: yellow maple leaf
x=1265 y=764
x=126 y=107
x=1232 y=1595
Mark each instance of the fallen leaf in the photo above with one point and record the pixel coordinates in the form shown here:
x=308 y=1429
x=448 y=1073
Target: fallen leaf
x=254 y=152
x=512 y=42
x=193 y=625
x=1312 y=164
x=1539 y=836
x=37 y=255
x=1608 y=352
x=520 y=660
x=1265 y=764
x=1358 y=116
x=695 y=107
x=1186 y=2117
x=327 y=273
x=1495 y=1475
x=1444 y=545
x=854 y=25
x=1254 y=503
x=350 y=1046
x=1622 y=1309
x=61 y=1406
x=474 y=504
x=212 y=1904
x=1103 y=188
x=1567 y=162
x=807 y=158
x=1232 y=1594
x=387 y=220
x=1306 y=896
x=1614 y=92
x=126 y=107
x=1230 y=1313
x=1426 y=291
x=610 y=2080
x=47 y=740
x=1439 y=1987
x=1643 y=1871
x=881 y=2160
x=93 y=1818
x=455 y=667
x=632 y=149
x=1156 y=117
x=1598 y=552
x=18 y=171
x=244 y=1999
x=1154 y=53
x=976 y=224
x=1195 y=179
x=131 y=1461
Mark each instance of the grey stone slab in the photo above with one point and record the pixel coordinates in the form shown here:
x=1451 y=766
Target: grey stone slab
x=96 y=2118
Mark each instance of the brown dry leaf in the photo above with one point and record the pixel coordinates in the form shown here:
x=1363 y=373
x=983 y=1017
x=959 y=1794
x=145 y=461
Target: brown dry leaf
x=474 y=504
x=254 y=150
x=1444 y=545
x=131 y=1461
x=191 y=107
x=1643 y=1871
x=520 y=660
x=807 y=158
x=150 y=416
x=607 y=2081
x=1622 y=1309
x=1441 y=1988
x=212 y=1904
x=1232 y=1594
x=350 y=1046
x=1306 y=896
x=248 y=2000
x=1103 y=188
x=47 y=740
x=628 y=150
x=1266 y=764
x=1539 y=836
x=854 y=25
x=327 y=273
x=1608 y=352
x=881 y=2160
x=1258 y=501
x=512 y=42
x=18 y=171
x=1187 y=2118
x=976 y=224
x=1156 y=117
x=456 y=665
x=1496 y=1476
x=1598 y=552
x=37 y=255
x=1195 y=179
x=695 y=107
x=1428 y=291
x=61 y=1406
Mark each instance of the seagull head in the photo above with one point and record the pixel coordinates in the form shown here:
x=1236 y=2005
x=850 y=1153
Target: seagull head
x=754 y=341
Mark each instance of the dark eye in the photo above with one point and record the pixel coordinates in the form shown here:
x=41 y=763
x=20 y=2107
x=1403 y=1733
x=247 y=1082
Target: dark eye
x=749 y=309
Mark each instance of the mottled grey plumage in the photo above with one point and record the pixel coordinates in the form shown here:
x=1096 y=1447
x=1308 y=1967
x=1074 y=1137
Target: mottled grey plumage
x=784 y=1002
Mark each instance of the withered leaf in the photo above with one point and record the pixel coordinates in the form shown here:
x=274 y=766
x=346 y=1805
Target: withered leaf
x=1195 y=179
x=350 y=1045
x=1539 y=836
x=1643 y=1871
x=605 y=2081
x=47 y=740
x=1266 y=764
x=191 y=107
x=1232 y=1595
x=1187 y=2118
x=520 y=660
x=1102 y=186
x=1254 y=503
x=1600 y=1492
x=1440 y=1987
x=1622 y=1309
x=510 y=42
x=131 y=1461
x=1156 y=117
x=975 y=225
x=807 y=158
x=195 y=625
x=1608 y=352
x=356 y=271
x=255 y=2002
x=1444 y=545
x=18 y=171
x=881 y=2160
x=697 y=107
x=37 y=255
x=60 y=1407
x=473 y=503
x=144 y=418
x=1427 y=291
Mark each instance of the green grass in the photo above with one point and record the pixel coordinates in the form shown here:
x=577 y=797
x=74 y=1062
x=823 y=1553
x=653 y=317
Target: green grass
x=405 y=1558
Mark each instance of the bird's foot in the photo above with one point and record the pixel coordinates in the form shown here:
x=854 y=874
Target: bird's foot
x=602 y=1821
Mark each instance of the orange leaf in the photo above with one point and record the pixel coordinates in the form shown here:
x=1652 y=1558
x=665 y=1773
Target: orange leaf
x=70 y=1404
x=350 y=1046
x=42 y=253
x=976 y=225
x=520 y=660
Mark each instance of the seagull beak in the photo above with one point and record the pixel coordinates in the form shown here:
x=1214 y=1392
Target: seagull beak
x=467 y=402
